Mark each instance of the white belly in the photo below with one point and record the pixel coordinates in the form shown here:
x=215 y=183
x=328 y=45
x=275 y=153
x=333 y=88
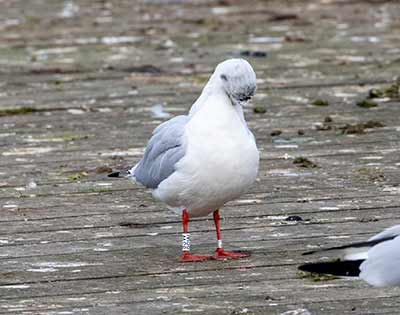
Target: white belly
x=220 y=163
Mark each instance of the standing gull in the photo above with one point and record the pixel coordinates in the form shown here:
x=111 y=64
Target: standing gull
x=196 y=163
x=375 y=261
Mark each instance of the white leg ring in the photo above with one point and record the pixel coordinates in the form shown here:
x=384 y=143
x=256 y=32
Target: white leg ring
x=186 y=242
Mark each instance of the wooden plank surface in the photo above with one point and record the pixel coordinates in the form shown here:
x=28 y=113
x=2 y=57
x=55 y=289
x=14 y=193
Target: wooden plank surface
x=78 y=80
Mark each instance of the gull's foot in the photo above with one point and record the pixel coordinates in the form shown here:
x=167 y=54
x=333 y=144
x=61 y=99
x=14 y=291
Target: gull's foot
x=221 y=254
x=187 y=257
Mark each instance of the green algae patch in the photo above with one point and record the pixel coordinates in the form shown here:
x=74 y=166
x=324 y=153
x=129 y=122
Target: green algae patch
x=320 y=102
x=78 y=176
x=366 y=104
x=372 y=175
x=259 y=109
x=304 y=162
x=17 y=111
x=375 y=93
x=393 y=91
x=359 y=128
x=316 y=277
x=71 y=137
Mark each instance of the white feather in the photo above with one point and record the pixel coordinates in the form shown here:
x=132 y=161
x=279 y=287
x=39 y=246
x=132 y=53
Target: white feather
x=382 y=267
x=221 y=159
x=356 y=253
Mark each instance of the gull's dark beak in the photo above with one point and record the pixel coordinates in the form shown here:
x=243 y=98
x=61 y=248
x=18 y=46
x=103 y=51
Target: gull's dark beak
x=241 y=100
x=245 y=98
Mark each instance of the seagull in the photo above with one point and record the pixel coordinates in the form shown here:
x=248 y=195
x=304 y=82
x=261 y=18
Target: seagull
x=196 y=163
x=375 y=261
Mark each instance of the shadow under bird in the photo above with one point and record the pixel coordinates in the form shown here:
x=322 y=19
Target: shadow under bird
x=376 y=261
x=196 y=163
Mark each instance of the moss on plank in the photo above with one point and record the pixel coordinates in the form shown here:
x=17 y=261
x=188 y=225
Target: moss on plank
x=320 y=102
x=316 y=277
x=17 y=111
x=366 y=104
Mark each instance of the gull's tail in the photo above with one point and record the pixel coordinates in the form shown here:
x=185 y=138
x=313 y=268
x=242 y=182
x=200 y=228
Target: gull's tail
x=120 y=174
x=352 y=256
x=346 y=268
x=116 y=174
x=354 y=246
x=124 y=174
x=354 y=251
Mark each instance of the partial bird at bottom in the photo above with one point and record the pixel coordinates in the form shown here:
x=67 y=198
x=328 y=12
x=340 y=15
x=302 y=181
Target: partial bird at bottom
x=375 y=261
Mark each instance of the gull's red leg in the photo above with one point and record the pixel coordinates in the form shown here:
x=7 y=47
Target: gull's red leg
x=186 y=256
x=220 y=253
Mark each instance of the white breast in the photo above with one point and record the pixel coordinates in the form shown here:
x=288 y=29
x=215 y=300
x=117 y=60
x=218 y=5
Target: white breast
x=220 y=163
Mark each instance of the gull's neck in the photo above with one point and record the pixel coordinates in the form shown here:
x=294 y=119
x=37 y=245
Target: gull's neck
x=213 y=86
x=216 y=103
x=212 y=89
x=239 y=110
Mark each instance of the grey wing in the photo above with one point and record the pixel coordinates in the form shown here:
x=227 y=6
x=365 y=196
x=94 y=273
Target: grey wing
x=381 y=268
x=353 y=251
x=387 y=233
x=164 y=150
x=362 y=250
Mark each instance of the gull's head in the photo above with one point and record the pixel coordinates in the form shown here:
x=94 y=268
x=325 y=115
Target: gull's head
x=237 y=79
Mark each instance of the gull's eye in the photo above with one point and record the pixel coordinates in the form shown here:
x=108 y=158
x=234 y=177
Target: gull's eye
x=223 y=77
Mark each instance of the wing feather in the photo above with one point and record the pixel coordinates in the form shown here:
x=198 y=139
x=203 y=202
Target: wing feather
x=164 y=149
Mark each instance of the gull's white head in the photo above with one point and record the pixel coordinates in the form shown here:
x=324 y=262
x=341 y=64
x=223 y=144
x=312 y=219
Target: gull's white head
x=237 y=79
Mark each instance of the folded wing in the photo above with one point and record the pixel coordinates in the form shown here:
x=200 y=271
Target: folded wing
x=165 y=148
